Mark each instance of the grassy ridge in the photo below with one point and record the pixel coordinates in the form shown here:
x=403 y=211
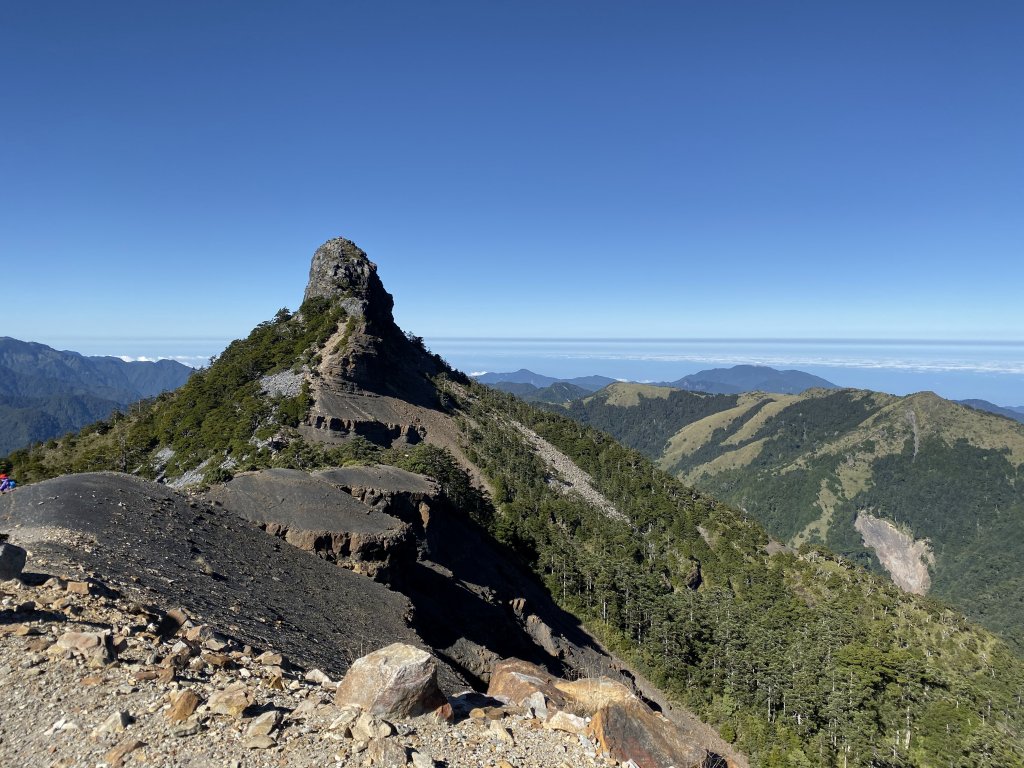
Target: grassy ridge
x=805 y=465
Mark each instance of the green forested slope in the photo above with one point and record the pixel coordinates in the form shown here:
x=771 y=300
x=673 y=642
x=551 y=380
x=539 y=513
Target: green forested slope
x=805 y=659
x=806 y=466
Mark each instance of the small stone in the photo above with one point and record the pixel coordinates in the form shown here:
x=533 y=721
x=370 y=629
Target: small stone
x=424 y=760
x=78 y=588
x=317 y=677
x=218 y=660
x=188 y=729
x=12 y=561
x=37 y=644
x=537 y=705
x=276 y=682
x=567 y=722
x=115 y=723
x=231 y=701
x=94 y=647
x=387 y=753
x=263 y=724
x=308 y=708
x=270 y=659
x=501 y=733
x=183 y=704
x=115 y=757
x=342 y=722
x=260 y=742
x=367 y=727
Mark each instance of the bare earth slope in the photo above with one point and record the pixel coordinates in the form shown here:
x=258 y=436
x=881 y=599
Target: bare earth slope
x=210 y=562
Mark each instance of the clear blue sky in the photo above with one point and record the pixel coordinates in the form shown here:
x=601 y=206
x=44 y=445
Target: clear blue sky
x=658 y=169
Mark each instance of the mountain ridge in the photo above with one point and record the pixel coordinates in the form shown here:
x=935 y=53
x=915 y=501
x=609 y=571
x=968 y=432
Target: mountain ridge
x=796 y=657
x=45 y=393
x=809 y=466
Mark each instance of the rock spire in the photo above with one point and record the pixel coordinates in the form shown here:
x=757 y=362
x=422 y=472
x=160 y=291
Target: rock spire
x=341 y=268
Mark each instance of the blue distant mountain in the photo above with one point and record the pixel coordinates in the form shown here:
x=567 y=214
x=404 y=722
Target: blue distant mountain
x=750 y=378
x=524 y=376
x=1011 y=412
x=45 y=393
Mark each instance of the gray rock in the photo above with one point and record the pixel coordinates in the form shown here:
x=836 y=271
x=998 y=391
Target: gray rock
x=397 y=681
x=387 y=753
x=95 y=647
x=341 y=268
x=12 y=561
x=421 y=760
x=263 y=724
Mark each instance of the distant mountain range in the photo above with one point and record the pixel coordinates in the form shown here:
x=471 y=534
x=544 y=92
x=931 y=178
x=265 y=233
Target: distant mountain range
x=921 y=487
x=1011 y=412
x=750 y=378
x=538 y=388
x=45 y=393
x=523 y=376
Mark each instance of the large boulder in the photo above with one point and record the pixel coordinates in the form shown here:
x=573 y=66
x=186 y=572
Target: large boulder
x=622 y=724
x=631 y=731
x=398 y=681
x=517 y=682
x=12 y=561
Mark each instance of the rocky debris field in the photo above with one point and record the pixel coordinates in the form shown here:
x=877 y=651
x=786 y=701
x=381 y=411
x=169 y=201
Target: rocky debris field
x=145 y=618
x=187 y=553
x=93 y=675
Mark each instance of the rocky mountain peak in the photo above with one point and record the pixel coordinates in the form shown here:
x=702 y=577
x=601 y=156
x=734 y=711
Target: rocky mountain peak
x=341 y=269
x=369 y=354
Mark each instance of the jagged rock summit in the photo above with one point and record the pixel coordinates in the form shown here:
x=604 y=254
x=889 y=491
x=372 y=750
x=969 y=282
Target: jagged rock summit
x=369 y=354
x=340 y=267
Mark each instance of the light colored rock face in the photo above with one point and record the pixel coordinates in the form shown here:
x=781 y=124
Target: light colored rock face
x=905 y=559
x=396 y=681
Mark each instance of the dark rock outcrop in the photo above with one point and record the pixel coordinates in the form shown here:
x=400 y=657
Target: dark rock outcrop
x=314 y=514
x=218 y=567
x=371 y=354
x=12 y=561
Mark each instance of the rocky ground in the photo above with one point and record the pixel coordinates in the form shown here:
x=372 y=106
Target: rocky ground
x=93 y=675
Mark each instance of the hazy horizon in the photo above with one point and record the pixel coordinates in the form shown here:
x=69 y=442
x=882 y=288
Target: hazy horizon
x=957 y=369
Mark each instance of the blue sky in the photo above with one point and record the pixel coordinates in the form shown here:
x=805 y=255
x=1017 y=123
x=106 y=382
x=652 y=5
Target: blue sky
x=663 y=169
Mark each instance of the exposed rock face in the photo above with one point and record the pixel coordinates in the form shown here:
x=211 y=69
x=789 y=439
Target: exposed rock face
x=390 y=490
x=370 y=354
x=631 y=731
x=341 y=268
x=905 y=558
x=314 y=514
x=515 y=682
x=396 y=681
x=212 y=564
